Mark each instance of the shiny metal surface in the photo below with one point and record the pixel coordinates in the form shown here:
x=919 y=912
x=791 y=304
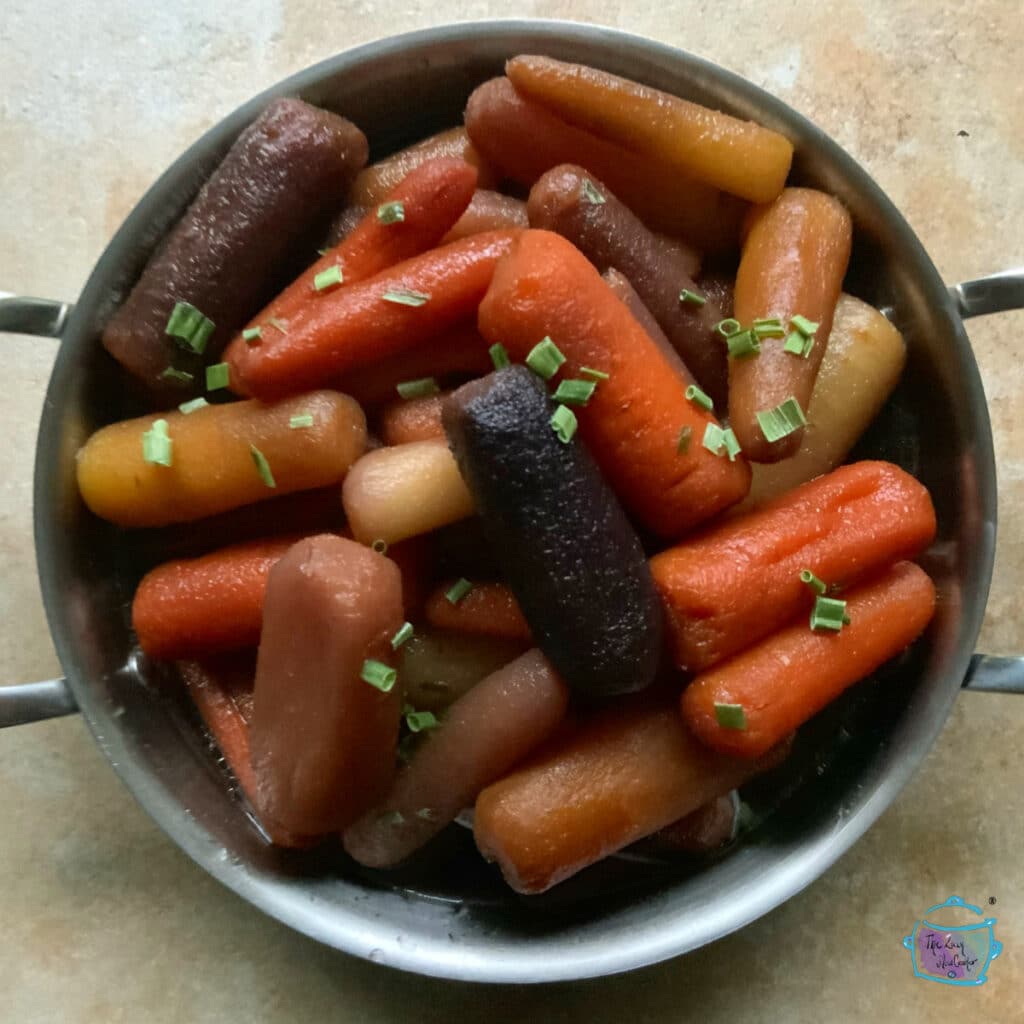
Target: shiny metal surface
x=454 y=918
x=989 y=674
x=995 y=293
x=33 y=702
x=45 y=318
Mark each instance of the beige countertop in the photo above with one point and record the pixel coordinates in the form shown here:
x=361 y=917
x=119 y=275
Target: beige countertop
x=103 y=919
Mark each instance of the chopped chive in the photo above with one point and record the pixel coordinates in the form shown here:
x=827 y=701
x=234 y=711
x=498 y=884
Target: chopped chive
x=278 y=325
x=590 y=192
x=157 y=446
x=458 y=590
x=217 y=376
x=395 y=818
x=714 y=439
x=427 y=814
x=499 y=356
x=732 y=444
x=545 y=358
x=563 y=423
x=196 y=403
x=769 y=327
x=404 y=297
x=588 y=371
x=690 y=298
x=796 y=343
x=829 y=613
x=322 y=252
x=301 y=421
x=781 y=421
x=728 y=327
x=328 y=278
x=251 y=334
x=420 y=721
x=743 y=344
x=178 y=376
x=189 y=327
x=380 y=546
x=391 y=213
x=575 y=392
x=731 y=716
x=683 y=444
x=699 y=398
x=419 y=388
x=806 y=327
x=262 y=466
x=379 y=675
x=404 y=632
x=817 y=585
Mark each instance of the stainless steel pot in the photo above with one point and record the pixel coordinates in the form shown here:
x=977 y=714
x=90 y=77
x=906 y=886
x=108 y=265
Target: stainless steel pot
x=453 y=918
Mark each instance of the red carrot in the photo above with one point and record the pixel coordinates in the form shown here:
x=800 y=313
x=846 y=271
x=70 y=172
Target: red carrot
x=490 y=609
x=415 y=419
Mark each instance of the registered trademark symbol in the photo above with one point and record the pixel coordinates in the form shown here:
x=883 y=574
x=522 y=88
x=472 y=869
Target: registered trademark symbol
x=991 y=900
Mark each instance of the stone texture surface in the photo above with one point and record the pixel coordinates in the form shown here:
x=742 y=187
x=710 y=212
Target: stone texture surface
x=103 y=919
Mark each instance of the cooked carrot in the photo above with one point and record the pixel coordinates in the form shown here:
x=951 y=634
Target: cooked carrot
x=374 y=182
x=791 y=676
x=523 y=139
x=623 y=775
x=213 y=465
x=432 y=197
x=634 y=420
x=394 y=311
x=704 y=830
x=414 y=558
x=414 y=419
x=794 y=258
x=490 y=609
x=739 y=157
x=489 y=211
x=740 y=581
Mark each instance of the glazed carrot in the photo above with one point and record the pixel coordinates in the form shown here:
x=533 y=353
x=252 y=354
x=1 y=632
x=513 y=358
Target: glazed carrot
x=740 y=581
x=415 y=419
x=633 y=422
x=490 y=609
x=625 y=774
x=523 y=139
x=399 y=309
x=739 y=157
x=791 y=676
x=432 y=197
x=794 y=258
x=489 y=211
x=414 y=558
x=374 y=182
x=213 y=467
x=198 y=606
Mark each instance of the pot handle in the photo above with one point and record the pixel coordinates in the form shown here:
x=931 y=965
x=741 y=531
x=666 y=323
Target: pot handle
x=44 y=318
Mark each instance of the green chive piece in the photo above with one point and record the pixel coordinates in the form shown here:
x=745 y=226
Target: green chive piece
x=178 y=376
x=817 y=585
x=731 y=716
x=395 y=818
x=391 y=213
x=458 y=590
x=262 y=466
x=683 y=444
x=806 y=327
x=427 y=814
x=499 y=356
x=794 y=344
x=322 y=252
x=808 y=345
x=217 y=376
x=157 y=446
x=420 y=721
x=732 y=445
x=403 y=297
x=781 y=421
x=714 y=439
x=575 y=392
x=690 y=298
x=301 y=421
x=588 y=371
x=743 y=344
x=419 y=388
x=404 y=632
x=563 y=423
x=545 y=358
x=189 y=327
x=329 y=278
x=590 y=192
x=829 y=613
x=278 y=325
x=380 y=546
x=251 y=334
x=379 y=675
x=196 y=403
x=769 y=327
x=728 y=327
x=699 y=398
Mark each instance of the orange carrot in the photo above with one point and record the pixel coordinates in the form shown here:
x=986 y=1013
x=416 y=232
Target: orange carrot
x=416 y=419
x=634 y=421
x=740 y=581
x=395 y=311
x=432 y=197
x=490 y=609
x=791 y=676
x=489 y=211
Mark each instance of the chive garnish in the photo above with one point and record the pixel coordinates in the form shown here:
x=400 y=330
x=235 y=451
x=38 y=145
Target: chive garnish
x=378 y=675
x=796 y=344
x=189 y=327
x=420 y=721
x=730 y=716
x=278 y=325
x=301 y=421
x=732 y=444
x=590 y=192
x=683 y=444
x=575 y=392
x=728 y=327
x=714 y=439
x=329 y=278
x=380 y=545
x=817 y=585
x=458 y=590
x=806 y=327
x=217 y=376
x=698 y=397
x=829 y=613
x=395 y=818
x=157 y=446
x=499 y=356
x=781 y=421
x=419 y=388
x=769 y=327
x=251 y=334
x=196 y=403
x=588 y=371
x=391 y=213
x=404 y=632
x=545 y=358
x=178 y=376
x=743 y=344
x=563 y=423
x=404 y=297
x=691 y=298
x=427 y=813
x=262 y=466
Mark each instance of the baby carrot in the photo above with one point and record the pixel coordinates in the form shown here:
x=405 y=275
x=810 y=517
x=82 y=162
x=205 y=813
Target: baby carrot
x=791 y=676
x=740 y=157
x=740 y=581
x=794 y=258
x=431 y=198
x=415 y=419
x=394 y=311
x=489 y=211
x=490 y=609
x=644 y=432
